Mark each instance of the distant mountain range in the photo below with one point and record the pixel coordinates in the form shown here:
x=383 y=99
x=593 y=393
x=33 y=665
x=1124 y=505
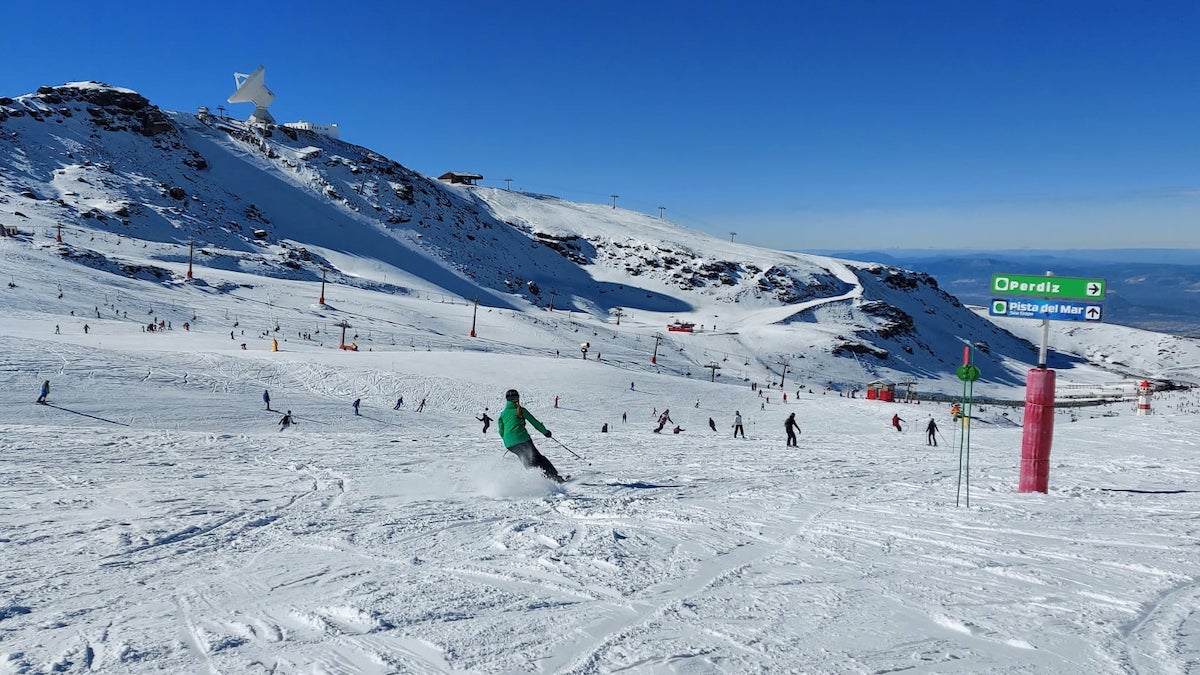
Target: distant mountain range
x=1152 y=289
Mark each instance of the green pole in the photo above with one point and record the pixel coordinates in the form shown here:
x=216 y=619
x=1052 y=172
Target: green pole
x=968 y=373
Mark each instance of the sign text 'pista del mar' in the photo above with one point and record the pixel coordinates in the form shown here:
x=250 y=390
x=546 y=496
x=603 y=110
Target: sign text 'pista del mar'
x=1054 y=310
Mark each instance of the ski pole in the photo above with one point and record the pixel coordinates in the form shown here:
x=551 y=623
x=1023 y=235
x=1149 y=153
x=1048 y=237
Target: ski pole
x=569 y=450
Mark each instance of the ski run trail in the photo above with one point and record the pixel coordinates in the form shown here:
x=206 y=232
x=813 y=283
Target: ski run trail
x=154 y=519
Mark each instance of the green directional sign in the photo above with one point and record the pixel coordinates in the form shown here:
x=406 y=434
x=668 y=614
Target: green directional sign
x=1071 y=288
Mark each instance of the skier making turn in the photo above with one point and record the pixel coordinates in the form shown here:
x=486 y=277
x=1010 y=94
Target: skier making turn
x=511 y=425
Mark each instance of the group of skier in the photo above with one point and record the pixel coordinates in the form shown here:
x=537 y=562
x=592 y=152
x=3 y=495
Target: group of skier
x=931 y=429
x=512 y=420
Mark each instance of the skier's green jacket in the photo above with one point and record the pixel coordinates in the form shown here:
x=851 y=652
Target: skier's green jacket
x=511 y=424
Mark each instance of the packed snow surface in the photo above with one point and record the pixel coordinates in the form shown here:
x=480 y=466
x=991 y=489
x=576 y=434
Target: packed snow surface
x=155 y=519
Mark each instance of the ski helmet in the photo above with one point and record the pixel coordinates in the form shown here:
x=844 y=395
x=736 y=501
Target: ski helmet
x=512 y=395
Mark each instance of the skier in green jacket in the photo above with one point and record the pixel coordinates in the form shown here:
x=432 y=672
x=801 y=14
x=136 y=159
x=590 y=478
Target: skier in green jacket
x=511 y=425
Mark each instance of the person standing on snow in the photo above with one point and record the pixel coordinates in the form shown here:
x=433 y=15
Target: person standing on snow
x=511 y=425
x=788 y=426
x=712 y=425
x=267 y=398
x=421 y=405
x=44 y=392
x=485 y=419
x=663 y=419
x=355 y=404
x=931 y=430
x=737 y=424
x=399 y=402
x=896 y=422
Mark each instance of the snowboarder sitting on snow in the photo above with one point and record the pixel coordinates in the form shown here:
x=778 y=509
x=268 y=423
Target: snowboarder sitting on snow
x=677 y=429
x=44 y=392
x=485 y=419
x=511 y=425
x=663 y=419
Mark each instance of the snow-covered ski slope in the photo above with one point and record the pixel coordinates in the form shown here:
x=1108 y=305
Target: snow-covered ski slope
x=154 y=519
x=134 y=186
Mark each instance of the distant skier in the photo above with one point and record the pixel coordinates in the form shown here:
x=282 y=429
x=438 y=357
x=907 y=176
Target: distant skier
x=624 y=417
x=511 y=425
x=421 y=405
x=712 y=425
x=267 y=398
x=737 y=424
x=555 y=401
x=287 y=421
x=355 y=404
x=399 y=402
x=931 y=430
x=697 y=403
x=630 y=386
x=896 y=422
x=604 y=428
x=44 y=393
x=663 y=419
x=485 y=419
x=789 y=426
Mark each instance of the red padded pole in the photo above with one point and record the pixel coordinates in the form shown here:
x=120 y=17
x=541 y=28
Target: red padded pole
x=1039 y=431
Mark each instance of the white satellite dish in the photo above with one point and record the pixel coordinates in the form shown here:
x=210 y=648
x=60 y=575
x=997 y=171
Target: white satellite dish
x=252 y=89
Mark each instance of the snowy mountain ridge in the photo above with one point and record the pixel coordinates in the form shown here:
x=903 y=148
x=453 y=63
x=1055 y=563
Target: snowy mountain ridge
x=292 y=204
x=160 y=518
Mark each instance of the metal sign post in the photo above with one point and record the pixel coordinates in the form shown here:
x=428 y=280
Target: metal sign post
x=1051 y=293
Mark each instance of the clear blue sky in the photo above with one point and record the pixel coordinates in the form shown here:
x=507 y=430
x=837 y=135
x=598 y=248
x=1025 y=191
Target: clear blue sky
x=834 y=124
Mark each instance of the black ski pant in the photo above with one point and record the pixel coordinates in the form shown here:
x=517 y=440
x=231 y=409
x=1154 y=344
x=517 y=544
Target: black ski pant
x=530 y=457
x=737 y=429
x=791 y=438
